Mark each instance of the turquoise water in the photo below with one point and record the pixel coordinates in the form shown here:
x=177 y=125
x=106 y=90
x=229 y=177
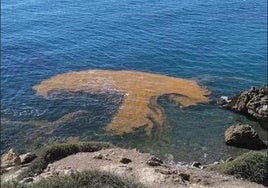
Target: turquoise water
x=220 y=44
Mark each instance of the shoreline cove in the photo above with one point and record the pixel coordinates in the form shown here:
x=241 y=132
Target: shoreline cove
x=140 y=107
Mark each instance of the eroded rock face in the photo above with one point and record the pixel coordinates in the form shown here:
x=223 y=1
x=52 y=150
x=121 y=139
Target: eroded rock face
x=10 y=159
x=243 y=136
x=253 y=102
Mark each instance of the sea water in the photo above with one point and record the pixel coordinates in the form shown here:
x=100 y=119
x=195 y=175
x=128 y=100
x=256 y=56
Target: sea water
x=220 y=44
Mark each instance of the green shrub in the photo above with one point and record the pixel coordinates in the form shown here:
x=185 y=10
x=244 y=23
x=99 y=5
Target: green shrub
x=252 y=166
x=57 y=151
x=79 y=180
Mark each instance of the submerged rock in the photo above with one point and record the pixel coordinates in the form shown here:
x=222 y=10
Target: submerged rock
x=253 y=102
x=243 y=136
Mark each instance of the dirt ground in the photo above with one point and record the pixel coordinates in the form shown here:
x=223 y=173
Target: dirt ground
x=144 y=168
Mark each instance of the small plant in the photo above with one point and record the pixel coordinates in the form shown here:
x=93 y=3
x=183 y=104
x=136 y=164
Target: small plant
x=87 y=179
x=252 y=166
x=57 y=151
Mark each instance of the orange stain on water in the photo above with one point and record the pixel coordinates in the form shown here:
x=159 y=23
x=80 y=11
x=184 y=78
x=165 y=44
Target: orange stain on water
x=141 y=89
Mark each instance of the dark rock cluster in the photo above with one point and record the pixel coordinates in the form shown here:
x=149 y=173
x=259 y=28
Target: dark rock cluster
x=125 y=160
x=253 y=102
x=153 y=161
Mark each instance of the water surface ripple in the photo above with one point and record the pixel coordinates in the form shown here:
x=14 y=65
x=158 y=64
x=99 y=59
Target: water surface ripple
x=219 y=44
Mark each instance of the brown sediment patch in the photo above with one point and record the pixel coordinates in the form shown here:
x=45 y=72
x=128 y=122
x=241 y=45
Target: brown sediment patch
x=141 y=91
x=50 y=126
x=47 y=127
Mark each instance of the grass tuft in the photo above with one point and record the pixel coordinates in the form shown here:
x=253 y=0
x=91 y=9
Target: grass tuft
x=88 y=179
x=252 y=166
x=57 y=151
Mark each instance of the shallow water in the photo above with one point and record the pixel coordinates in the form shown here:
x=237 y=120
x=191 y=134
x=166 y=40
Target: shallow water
x=219 y=44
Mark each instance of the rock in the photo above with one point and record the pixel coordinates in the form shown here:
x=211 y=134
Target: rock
x=12 y=173
x=243 y=136
x=229 y=159
x=196 y=164
x=27 y=180
x=125 y=160
x=184 y=176
x=10 y=159
x=3 y=170
x=98 y=156
x=166 y=171
x=49 y=168
x=196 y=179
x=223 y=100
x=241 y=103
x=27 y=158
x=203 y=167
x=154 y=162
x=66 y=172
x=253 y=102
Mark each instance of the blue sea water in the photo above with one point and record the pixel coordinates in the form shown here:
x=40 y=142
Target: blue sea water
x=221 y=44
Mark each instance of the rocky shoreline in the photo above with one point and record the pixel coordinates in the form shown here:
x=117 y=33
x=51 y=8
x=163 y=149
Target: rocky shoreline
x=252 y=103
x=144 y=168
x=150 y=171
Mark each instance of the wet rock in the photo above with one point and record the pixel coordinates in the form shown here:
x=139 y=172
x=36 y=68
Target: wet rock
x=27 y=158
x=223 y=100
x=243 y=136
x=125 y=160
x=10 y=159
x=253 y=102
x=196 y=164
x=154 y=162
